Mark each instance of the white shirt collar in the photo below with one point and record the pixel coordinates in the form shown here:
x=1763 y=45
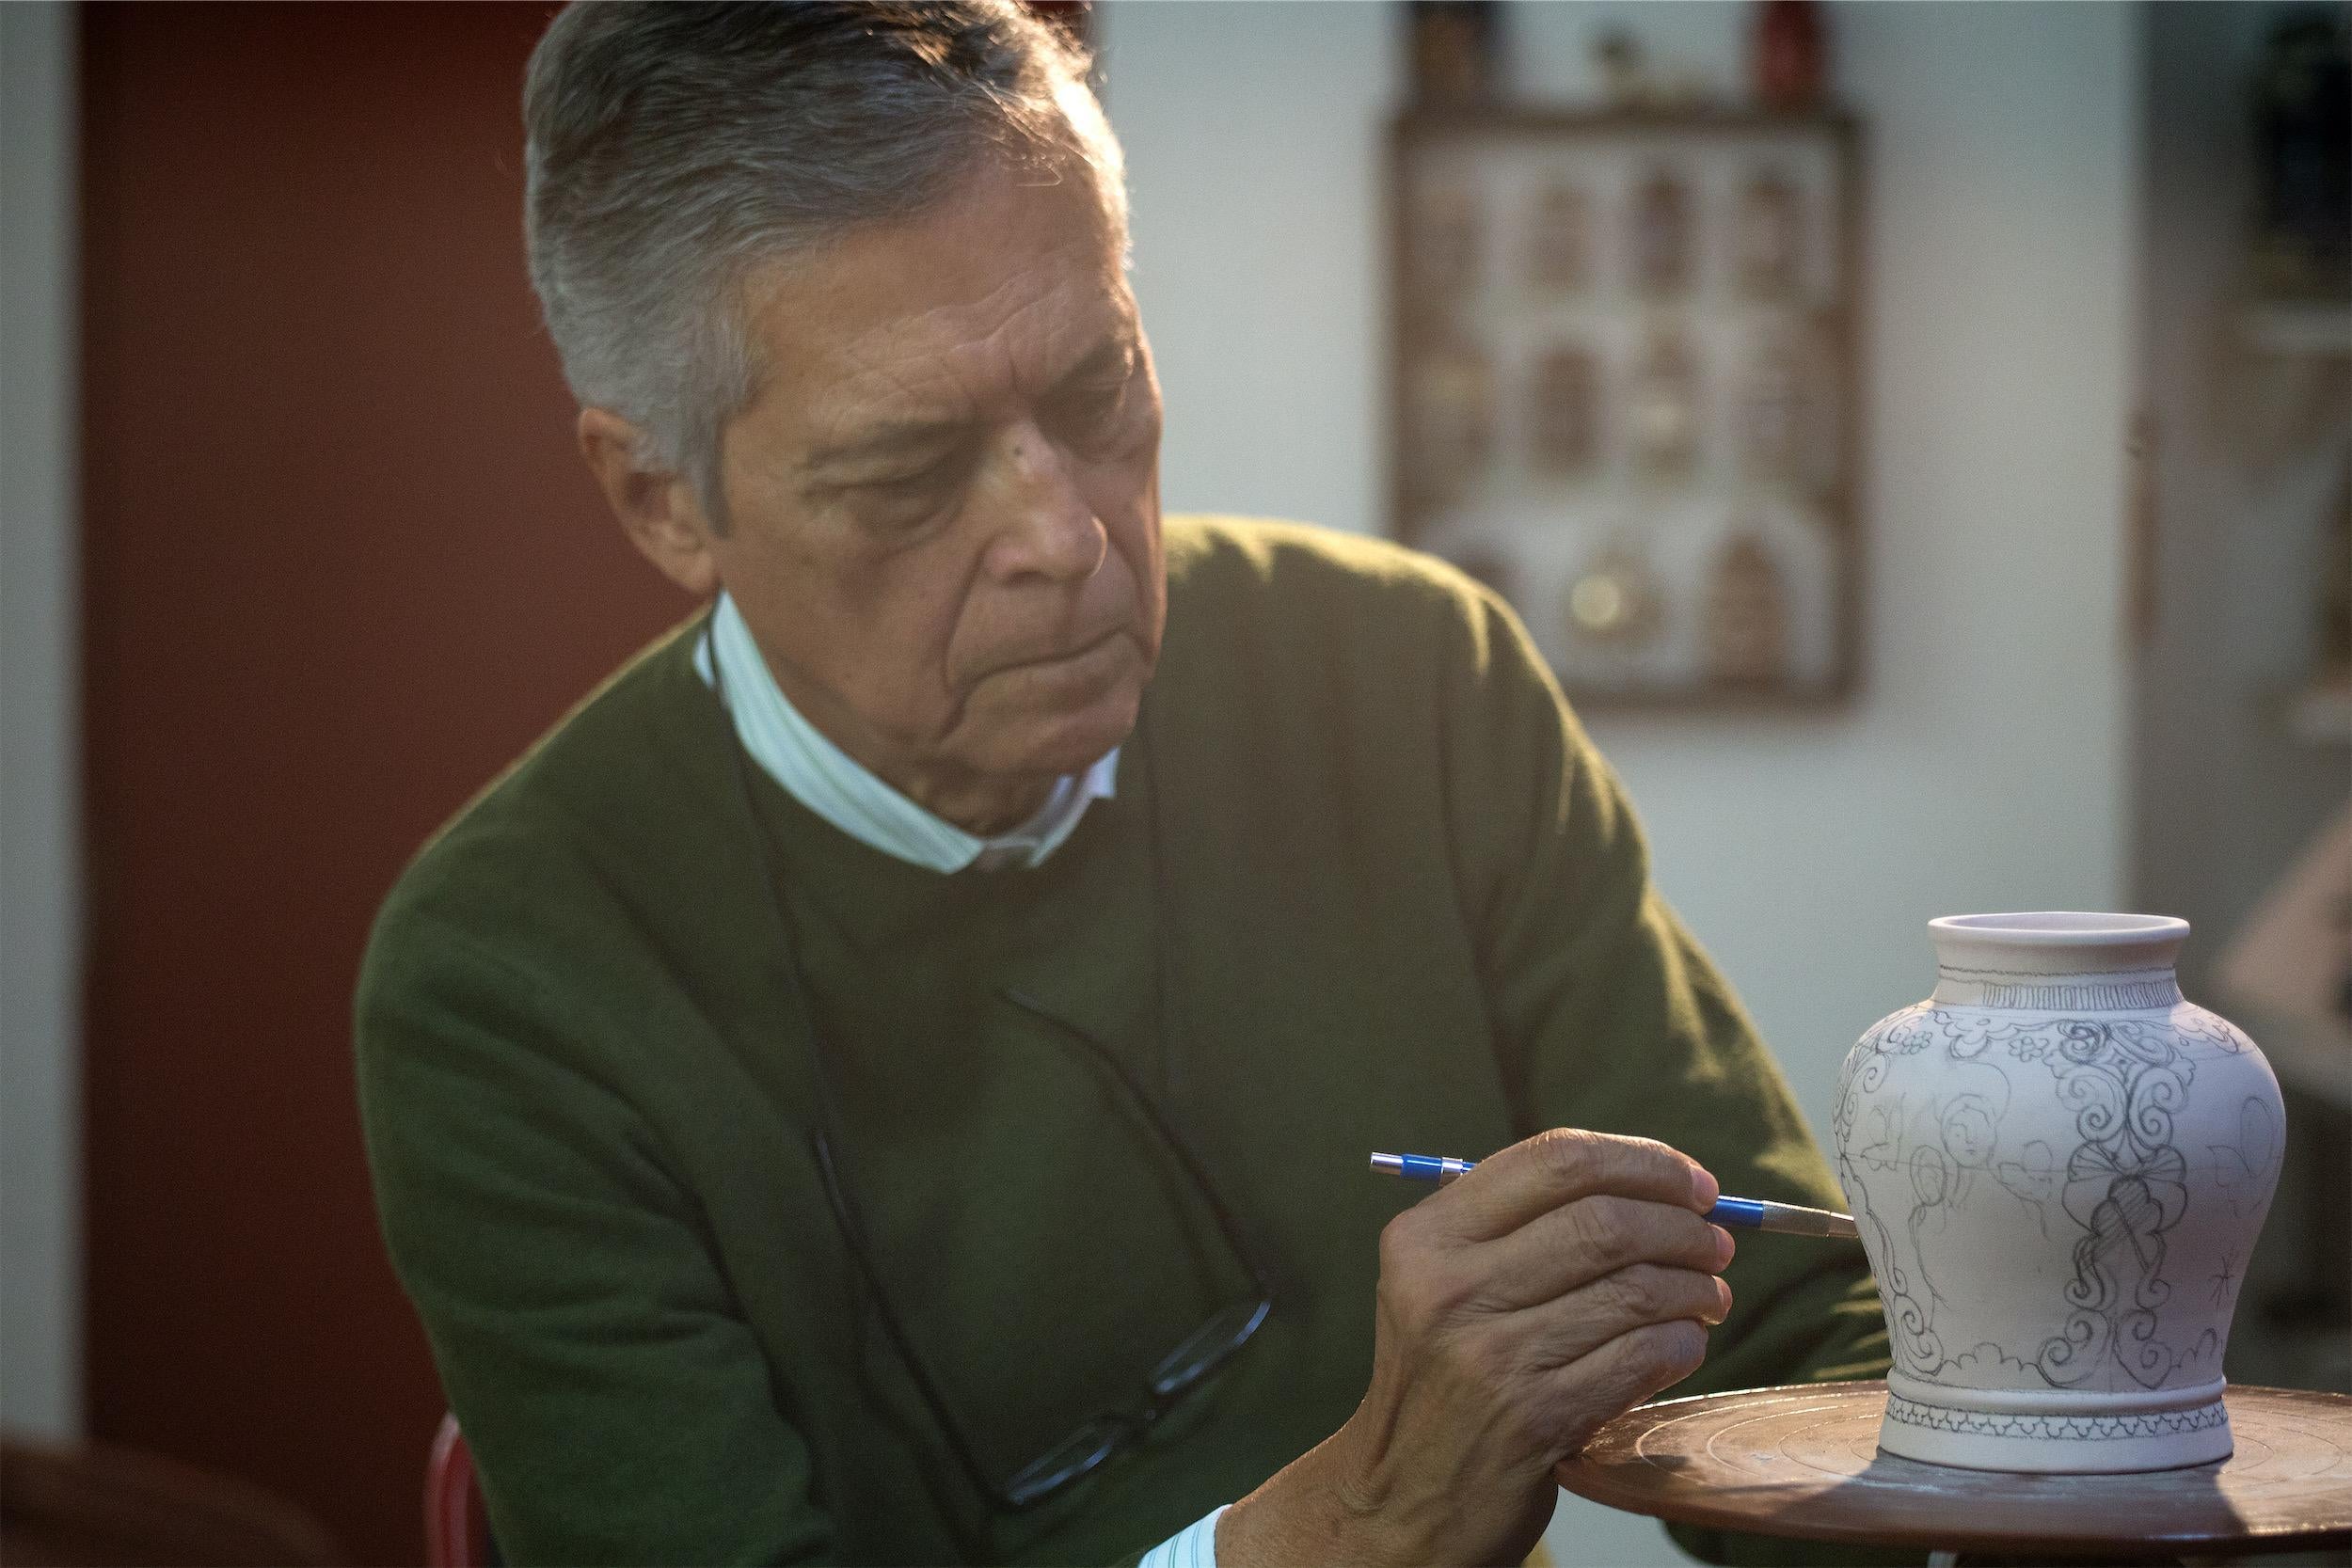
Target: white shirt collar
x=833 y=784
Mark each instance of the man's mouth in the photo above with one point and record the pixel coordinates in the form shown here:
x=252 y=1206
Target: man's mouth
x=1068 y=655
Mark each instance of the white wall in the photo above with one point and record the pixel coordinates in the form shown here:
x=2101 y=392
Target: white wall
x=1982 y=767
x=40 y=1319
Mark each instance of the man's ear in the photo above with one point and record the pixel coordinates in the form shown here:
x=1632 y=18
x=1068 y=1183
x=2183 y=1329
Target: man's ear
x=659 y=510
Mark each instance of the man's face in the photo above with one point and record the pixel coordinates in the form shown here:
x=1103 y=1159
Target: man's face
x=944 y=501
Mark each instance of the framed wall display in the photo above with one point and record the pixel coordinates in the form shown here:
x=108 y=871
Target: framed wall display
x=1624 y=389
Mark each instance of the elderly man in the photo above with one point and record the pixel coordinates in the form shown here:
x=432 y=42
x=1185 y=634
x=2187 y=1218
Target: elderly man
x=888 y=1079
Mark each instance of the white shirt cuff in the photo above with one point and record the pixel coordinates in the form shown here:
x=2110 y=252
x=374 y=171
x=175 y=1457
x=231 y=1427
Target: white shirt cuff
x=1194 y=1546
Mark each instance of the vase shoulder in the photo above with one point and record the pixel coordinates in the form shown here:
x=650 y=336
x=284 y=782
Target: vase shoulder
x=1968 y=1029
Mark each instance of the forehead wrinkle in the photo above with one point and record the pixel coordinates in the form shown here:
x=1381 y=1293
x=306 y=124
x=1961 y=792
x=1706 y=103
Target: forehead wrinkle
x=969 y=340
x=943 y=360
x=892 y=389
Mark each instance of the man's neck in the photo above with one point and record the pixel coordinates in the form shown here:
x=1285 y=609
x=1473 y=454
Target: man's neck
x=981 y=807
x=945 y=820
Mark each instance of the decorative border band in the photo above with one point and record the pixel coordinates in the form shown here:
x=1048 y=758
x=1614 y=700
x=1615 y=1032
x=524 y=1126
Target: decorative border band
x=2104 y=995
x=2141 y=972
x=2162 y=1423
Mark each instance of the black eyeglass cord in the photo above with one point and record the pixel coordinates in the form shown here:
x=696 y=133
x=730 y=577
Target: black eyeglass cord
x=825 y=1143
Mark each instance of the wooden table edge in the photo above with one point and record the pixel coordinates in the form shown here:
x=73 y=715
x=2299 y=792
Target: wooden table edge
x=1703 y=1515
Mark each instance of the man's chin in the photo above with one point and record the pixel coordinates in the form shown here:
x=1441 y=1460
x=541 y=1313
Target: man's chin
x=1050 y=745
x=1074 y=742
x=1062 y=717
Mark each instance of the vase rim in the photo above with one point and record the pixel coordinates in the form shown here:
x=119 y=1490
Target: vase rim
x=2063 y=927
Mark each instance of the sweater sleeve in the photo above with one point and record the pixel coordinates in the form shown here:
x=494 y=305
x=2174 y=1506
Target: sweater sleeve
x=617 y=1406
x=1610 y=1017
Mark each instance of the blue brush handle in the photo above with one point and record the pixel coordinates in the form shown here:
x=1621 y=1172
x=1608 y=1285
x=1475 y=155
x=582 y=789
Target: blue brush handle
x=1745 y=1212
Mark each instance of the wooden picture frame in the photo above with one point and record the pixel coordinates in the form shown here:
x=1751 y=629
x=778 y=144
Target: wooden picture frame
x=1624 y=389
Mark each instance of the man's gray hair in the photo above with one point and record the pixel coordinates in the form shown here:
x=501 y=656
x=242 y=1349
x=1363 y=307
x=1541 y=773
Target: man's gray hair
x=674 y=150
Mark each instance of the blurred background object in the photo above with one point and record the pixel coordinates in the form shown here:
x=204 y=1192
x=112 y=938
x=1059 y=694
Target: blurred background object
x=2303 y=151
x=96 y=1507
x=1791 y=53
x=2242 y=726
x=334 y=563
x=2291 y=967
x=297 y=554
x=1455 y=47
x=1623 y=345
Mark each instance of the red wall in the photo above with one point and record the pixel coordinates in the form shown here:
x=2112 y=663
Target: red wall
x=341 y=565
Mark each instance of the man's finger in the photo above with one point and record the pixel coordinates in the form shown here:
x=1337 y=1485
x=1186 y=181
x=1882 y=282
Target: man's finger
x=1574 y=1327
x=1538 y=1174
x=1597 y=1388
x=1593 y=1237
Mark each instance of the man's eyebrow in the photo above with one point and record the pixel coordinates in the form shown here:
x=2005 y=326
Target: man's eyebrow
x=900 y=438
x=889 y=440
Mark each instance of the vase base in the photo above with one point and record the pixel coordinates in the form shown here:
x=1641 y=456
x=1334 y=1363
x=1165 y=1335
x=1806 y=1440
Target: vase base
x=2055 y=1444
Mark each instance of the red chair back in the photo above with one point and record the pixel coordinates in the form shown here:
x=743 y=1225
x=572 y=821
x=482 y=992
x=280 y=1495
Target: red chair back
x=457 y=1531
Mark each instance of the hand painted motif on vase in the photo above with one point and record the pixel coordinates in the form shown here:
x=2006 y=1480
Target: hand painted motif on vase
x=2059 y=1167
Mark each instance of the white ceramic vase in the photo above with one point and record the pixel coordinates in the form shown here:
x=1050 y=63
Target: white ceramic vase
x=2060 y=1169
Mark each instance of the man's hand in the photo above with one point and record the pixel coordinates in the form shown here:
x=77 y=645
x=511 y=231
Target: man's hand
x=1564 y=1281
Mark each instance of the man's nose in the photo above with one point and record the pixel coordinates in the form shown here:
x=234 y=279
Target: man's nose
x=1046 y=527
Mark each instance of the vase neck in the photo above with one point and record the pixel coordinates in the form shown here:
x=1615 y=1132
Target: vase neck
x=2059 y=961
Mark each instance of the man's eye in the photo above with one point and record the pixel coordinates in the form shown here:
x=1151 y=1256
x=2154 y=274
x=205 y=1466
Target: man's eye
x=941 y=473
x=1098 y=414
x=929 y=476
x=900 y=503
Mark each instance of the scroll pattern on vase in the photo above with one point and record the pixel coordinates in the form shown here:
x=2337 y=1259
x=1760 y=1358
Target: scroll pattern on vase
x=2122 y=1187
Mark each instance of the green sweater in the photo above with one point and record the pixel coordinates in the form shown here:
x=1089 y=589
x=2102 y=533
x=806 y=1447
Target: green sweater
x=1365 y=885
